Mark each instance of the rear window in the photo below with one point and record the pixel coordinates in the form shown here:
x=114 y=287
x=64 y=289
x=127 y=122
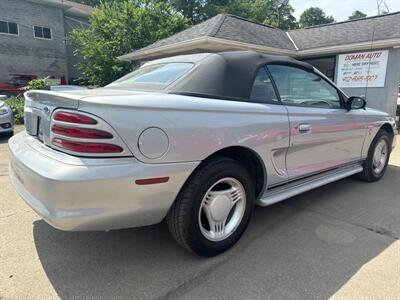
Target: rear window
x=159 y=74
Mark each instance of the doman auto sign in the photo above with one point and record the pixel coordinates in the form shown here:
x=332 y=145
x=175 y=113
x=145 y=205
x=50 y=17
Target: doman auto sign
x=362 y=69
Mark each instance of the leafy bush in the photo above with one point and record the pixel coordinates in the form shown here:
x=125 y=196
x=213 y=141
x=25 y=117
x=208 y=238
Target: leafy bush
x=17 y=103
x=17 y=106
x=38 y=84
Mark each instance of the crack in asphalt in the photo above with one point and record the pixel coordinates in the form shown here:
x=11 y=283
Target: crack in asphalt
x=16 y=213
x=383 y=231
x=378 y=230
x=192 y=283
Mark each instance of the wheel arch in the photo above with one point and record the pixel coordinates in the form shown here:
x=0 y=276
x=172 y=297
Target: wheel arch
x=250 y=159
x=388 y=128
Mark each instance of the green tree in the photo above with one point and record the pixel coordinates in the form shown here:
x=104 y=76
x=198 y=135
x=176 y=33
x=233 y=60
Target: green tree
x=194 y=10
x=266 y=12
x=314 y=16
x=357 y=15
x=235 y=7
x=269 y=12
x=261 y=11
x=116 y=29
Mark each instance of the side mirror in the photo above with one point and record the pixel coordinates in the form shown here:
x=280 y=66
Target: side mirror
x=355 y=102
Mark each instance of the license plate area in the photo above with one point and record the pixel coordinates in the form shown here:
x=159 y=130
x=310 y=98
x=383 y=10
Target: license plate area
x=35 y=123
x=31 y=122
x=40 y=129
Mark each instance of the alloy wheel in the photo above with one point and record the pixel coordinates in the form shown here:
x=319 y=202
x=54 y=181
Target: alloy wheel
x=222 y=209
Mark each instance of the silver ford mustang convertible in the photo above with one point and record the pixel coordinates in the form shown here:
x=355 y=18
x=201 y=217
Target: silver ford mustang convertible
x=196 y=140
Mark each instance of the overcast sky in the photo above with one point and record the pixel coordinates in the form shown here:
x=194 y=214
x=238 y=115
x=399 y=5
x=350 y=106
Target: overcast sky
x=341 y=9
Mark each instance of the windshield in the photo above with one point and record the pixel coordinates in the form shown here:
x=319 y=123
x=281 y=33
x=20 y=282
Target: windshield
x=160 y=74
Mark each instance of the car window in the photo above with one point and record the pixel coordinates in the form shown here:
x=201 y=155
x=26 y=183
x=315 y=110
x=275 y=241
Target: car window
x=159 y=74
x=263 y=90
x=301 y=88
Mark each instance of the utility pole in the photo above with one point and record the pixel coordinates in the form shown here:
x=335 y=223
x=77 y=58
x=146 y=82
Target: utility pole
x=383 y=8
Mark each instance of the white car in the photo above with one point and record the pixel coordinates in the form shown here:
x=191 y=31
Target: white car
x=6 y=119
x=197 y=140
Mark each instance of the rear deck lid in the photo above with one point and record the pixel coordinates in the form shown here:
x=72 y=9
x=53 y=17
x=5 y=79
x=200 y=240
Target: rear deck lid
x=39 y=106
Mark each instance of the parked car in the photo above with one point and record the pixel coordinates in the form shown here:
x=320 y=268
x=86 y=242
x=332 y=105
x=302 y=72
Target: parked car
x=6 y=119
x=17 y=81
x=196 y=140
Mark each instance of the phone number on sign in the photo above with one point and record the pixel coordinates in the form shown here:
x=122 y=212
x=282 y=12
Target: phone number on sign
x=360 y=78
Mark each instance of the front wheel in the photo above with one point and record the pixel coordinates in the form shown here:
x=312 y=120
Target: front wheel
x=378 y=157
x=214 y=208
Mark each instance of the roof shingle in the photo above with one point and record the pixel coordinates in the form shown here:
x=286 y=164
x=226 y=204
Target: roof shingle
x=237 y=29
x=231 y=28
x=348 y=32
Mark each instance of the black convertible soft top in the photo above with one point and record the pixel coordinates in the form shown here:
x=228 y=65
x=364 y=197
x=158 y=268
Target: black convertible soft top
x=225 y=75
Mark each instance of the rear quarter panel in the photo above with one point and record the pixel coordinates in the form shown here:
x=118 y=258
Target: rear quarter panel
x=198 y=127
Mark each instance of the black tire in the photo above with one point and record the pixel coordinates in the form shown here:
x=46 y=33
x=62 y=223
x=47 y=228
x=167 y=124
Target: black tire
x=368 y=174
x=183 y=217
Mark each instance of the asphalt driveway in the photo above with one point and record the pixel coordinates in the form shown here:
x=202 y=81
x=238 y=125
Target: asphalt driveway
x=339 y=241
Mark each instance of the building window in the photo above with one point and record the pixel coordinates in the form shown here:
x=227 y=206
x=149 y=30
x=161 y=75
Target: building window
x=326 y=65
x=42 y=32
x=8 y=28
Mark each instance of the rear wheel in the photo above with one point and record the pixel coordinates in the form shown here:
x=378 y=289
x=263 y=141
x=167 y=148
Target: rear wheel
x=213 y=208
x=378 y=157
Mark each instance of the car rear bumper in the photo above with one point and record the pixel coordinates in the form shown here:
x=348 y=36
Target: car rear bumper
x=79 y=194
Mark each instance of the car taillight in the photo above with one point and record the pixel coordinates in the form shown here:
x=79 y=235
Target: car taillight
x=83 y=133
x=74 y=118
x=84 y=147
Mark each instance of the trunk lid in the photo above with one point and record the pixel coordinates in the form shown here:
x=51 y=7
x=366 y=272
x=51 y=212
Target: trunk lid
x=39 y=107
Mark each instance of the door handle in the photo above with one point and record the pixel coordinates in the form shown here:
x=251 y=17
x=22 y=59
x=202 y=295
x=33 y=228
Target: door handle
x=303 y=128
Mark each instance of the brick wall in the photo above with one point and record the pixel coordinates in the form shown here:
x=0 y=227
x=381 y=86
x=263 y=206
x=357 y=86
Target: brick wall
x=25 y=53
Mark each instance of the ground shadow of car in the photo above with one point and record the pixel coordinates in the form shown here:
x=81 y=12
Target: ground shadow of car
x=306 y=247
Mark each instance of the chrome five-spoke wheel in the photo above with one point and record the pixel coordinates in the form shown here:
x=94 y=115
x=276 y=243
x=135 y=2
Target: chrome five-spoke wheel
x=222 y=209
x=214 y=207
x=380 y=156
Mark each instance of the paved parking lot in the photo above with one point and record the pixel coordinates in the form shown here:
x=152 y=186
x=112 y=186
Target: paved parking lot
x=339 y=241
